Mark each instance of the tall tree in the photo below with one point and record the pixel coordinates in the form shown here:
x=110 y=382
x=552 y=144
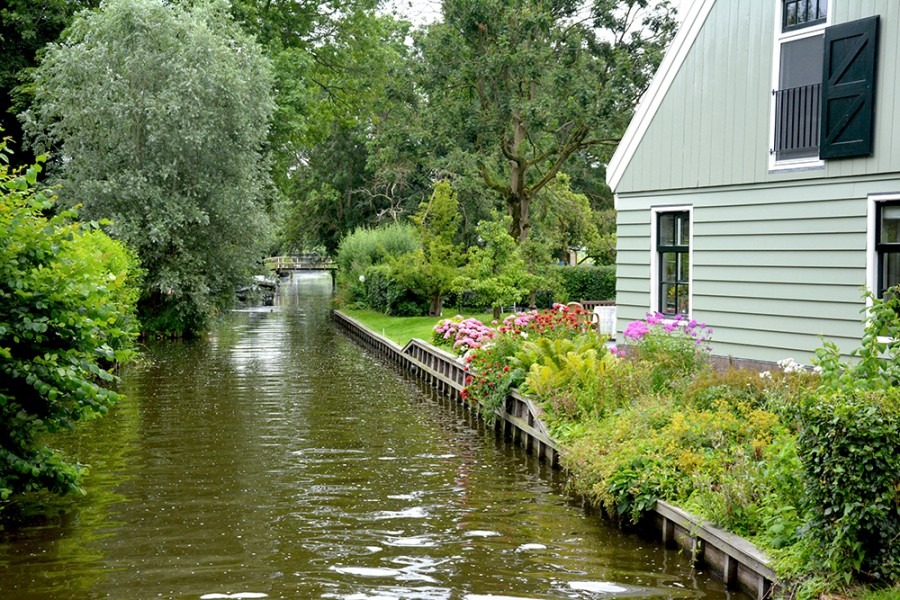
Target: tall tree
x=526 y=84
x=157 y=114
x=432 y=268
x=341 y=69
x=26 y=27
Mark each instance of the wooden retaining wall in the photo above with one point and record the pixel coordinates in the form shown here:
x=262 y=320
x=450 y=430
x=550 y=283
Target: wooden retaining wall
x=738 y=562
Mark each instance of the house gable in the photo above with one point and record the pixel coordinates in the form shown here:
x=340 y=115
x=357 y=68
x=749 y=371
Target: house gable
x=707 y=119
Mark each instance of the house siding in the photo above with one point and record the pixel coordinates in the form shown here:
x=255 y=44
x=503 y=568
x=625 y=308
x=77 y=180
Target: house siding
x=713 y=127
x=777 y=268
x=779 y=259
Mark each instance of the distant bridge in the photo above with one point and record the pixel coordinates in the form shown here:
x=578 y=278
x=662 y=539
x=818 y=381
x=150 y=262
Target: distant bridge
x=283 y=265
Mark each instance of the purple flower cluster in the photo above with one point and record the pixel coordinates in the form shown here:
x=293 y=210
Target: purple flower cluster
x=655 y=322
x=462 y=334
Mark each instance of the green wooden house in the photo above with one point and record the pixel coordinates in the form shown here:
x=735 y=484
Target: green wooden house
x=758 y=185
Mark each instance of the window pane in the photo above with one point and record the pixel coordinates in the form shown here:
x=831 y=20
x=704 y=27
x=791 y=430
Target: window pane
x=790 y=13
x=891 y=273
x=684 y=303
x=801 y=62
x=684 y=238
x=890 y=224
x=684 y=267
x=667 y=229
x=670 y=266
x=799 y=13
x=668 y=298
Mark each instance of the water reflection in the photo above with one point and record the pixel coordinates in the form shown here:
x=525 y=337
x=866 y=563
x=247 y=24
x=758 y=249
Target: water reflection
x=275 y=460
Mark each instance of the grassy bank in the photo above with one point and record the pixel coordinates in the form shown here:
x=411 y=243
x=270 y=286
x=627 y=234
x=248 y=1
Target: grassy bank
x=403 y=329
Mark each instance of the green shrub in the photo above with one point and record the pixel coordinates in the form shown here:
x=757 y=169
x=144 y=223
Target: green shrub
x=586 y=283
x=366 y=248
x=384 y=293
x=849 y=433
x=848 y=444
x=67 y=296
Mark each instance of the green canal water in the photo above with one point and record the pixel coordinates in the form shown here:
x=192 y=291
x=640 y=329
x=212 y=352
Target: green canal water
x=275 y=459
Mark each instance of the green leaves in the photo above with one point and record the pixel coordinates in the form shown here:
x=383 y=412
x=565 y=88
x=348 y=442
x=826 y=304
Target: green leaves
x=848 y=446
x=161 y=111
x=57 y=298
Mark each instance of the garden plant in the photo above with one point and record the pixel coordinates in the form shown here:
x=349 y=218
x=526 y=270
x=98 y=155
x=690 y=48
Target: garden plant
x=801 y=460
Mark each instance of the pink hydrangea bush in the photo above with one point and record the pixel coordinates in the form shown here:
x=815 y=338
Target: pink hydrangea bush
x=461 y=335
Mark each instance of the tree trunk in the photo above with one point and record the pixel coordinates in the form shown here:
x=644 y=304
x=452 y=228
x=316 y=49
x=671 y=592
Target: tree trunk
x=518 y=201
x=437 y=306
x=519 y=207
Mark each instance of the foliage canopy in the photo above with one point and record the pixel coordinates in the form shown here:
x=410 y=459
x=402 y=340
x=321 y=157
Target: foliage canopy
x=157 y=115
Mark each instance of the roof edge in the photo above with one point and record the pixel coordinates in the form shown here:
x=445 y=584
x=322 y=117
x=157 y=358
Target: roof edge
x=656 y=92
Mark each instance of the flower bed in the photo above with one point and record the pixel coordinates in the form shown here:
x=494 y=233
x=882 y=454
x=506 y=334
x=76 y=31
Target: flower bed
x=782 y=458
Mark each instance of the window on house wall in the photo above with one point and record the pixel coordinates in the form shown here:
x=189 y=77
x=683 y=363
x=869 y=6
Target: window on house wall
x=796 y=14
x=673 y=245
x=824 y=86
x=887 y=246
x=798 y=95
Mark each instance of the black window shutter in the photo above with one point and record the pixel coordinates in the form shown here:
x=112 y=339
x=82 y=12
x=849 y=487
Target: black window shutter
x=848 y=89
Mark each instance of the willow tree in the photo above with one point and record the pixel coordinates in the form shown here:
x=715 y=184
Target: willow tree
x=527 y=84
x=156 y=114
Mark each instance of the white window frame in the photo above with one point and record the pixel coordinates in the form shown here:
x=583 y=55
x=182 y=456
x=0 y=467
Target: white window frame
x=655 y=211
x=780 y=37
x=872 y=203
x=871 y=225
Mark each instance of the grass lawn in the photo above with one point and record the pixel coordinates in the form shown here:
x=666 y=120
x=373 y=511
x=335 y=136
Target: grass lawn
x=403 y=329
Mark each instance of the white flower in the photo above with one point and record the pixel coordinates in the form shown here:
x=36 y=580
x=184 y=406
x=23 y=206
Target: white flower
x=765 y=375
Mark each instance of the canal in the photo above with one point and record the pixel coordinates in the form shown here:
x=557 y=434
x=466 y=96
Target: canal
x=275 y=459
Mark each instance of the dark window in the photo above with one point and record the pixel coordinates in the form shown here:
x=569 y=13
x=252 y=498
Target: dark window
x=673 y=247
x=803 y=13
x=798 y=99
x=887 y=246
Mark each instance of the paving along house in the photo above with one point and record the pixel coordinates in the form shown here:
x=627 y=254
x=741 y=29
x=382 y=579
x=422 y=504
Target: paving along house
x=758 y=185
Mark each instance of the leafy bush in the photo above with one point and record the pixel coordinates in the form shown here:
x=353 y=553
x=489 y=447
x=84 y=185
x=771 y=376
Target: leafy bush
x=585 y=282
x=364 y=249
x=848 y=440
x=675 y=347
x=848 y=444
x=67 y=297
x=490 y=376
x=382 y=291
